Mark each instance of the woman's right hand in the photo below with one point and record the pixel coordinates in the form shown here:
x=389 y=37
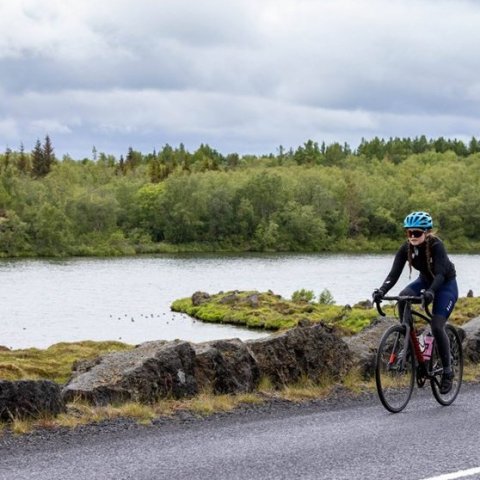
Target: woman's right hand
x=378 y=295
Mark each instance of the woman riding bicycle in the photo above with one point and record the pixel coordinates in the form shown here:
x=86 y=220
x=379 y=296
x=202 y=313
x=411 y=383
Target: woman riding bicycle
x=436 y=283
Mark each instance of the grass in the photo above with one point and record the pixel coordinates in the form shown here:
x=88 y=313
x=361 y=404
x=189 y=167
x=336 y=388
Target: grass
x=54 y=363
x=465 y=309
x=205 y=404
x=471 y=372
x=80 y=413
x=272 y=312
x=253 y=309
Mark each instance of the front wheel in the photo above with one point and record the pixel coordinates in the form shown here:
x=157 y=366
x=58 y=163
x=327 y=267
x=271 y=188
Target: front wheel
x=436 y=368
x=394 y=369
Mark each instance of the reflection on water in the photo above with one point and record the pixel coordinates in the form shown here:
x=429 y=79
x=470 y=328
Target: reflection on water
x=47 y=301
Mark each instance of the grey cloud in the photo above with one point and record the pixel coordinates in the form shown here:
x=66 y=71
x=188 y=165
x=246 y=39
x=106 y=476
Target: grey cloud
x=240 y=75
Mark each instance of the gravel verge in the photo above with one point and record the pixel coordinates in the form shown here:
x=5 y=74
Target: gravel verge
x=276 y=407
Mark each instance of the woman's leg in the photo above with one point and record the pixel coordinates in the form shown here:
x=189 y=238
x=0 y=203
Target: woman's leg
x=445 y=298
x=441 y=337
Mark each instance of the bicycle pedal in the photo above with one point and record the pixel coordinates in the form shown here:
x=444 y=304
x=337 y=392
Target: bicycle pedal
x=421 y=382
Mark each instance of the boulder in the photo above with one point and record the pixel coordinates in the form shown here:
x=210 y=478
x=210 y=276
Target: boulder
x=225 y=366
x=229 y=299
x=29 y=398
x=471 y=342
x=253 y=300
x=151 y=371
x=364 y=345
x=199 y=297
x=314 y=351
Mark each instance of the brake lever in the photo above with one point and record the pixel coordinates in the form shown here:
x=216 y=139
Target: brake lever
x=379 y=308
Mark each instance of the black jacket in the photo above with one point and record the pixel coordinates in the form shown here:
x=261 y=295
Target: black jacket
x=440 y=265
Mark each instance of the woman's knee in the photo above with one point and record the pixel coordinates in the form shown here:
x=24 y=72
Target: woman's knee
x=438 y=324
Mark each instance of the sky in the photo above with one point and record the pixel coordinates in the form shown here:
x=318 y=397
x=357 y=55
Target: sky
x=244 y=76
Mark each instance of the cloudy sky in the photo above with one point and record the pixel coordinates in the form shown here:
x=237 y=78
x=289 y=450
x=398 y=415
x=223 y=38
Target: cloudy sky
x=241 y=75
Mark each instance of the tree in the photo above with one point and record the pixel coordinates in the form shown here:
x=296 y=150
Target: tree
x=38 y=161
x=22 y=164
x=473 y=146
x=120 y=170
x=48 y=155
x=7 y=157
x=42 y=158
x=133 y=159
x=308 y=154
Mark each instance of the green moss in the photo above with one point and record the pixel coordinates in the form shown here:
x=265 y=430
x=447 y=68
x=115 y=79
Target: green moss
x=53 y=363
x=465 y=309
x=272 y=312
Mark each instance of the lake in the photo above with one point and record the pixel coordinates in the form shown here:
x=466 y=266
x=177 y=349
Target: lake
x=43 y=302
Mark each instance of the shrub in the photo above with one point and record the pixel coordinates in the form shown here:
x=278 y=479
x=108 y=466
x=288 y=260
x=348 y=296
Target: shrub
x=303 y=296
x=326 y=298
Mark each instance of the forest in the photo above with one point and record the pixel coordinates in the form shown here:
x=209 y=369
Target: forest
x=314 y=198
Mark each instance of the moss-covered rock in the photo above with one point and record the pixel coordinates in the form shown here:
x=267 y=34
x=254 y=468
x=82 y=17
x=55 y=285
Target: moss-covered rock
x=271 y=312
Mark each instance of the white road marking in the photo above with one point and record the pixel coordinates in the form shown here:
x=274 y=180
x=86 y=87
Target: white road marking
x=454 y=475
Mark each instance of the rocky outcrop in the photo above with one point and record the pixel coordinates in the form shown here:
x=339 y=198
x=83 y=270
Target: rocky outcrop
x=364 y=345
x=151 y=371
x=471 y=342
x=315 y=351
x=159 y=369
x=29 y=398
x=225 y=366
x=200 y=297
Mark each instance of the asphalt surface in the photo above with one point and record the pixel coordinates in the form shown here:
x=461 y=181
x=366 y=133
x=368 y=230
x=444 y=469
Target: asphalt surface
x=341 y=439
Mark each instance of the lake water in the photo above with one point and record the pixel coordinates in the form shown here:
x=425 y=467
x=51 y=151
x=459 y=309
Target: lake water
x=43 y=302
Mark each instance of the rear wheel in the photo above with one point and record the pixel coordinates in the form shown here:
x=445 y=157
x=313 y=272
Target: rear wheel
x=394 y=370
x=436 y=368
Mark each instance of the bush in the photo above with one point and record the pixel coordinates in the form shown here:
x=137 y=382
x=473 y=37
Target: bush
x=303 y=296
x=326 y=298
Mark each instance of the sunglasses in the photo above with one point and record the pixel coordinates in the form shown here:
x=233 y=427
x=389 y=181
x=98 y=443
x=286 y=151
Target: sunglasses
x=415 y=233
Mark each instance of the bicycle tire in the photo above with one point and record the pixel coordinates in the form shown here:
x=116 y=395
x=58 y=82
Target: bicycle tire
x=395 y=378
x=436 y=369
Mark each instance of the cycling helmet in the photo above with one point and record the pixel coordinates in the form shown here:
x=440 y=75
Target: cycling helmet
x=418 y=220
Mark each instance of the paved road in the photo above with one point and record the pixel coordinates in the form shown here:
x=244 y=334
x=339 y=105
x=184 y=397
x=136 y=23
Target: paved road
x=355 y=441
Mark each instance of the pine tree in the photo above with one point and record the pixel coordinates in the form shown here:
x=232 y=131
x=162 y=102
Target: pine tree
x=48 y=154
x=38 y=160
x=22 y=160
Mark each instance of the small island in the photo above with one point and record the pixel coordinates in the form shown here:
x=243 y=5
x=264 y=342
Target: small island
x=266 y=310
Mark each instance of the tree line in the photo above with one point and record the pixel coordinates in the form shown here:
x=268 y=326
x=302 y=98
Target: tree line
x=313 y=198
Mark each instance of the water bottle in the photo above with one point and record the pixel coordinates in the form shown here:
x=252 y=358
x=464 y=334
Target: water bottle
x=428 y=340
x=421 y=342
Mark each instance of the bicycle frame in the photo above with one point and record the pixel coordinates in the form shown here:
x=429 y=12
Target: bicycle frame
x=407 y=322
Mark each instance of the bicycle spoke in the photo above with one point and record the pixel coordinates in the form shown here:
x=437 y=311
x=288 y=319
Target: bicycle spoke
x=457 y=367
x=394 y=369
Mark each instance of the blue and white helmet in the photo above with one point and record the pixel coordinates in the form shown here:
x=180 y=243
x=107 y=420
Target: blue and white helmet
x=421 y=220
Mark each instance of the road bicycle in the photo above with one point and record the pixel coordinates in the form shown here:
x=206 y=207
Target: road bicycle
x=408 y=353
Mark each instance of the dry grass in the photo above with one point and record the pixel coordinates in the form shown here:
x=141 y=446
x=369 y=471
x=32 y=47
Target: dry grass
x=20 y=426
x=207 y=404
x=53 y=363
x=306 y=389
x=80 y=413
x=471 y=372
x=355 y=382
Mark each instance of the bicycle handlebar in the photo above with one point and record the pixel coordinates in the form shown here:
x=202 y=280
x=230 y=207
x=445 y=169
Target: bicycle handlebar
x=404 y=298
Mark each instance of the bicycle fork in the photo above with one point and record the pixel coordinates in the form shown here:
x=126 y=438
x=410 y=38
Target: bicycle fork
x=410 y=332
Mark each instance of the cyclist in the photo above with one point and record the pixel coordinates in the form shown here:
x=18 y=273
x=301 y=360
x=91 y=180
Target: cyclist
x=436 y=283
